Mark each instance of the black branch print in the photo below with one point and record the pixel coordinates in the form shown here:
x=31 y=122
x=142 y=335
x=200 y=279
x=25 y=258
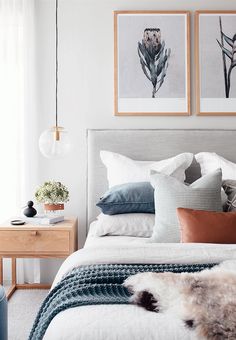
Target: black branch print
x=229 y=54
x=153 y=58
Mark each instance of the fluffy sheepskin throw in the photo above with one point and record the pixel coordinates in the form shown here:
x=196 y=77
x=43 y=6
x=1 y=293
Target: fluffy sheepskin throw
x=205 y=301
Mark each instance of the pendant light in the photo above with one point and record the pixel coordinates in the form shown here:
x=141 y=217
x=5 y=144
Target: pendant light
x=55 y=143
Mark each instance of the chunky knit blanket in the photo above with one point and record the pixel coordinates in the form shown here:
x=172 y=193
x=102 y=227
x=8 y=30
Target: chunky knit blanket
x=96 y=284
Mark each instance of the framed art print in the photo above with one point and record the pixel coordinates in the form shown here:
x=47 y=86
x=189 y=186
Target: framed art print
x=152 y=63
x=215 y=33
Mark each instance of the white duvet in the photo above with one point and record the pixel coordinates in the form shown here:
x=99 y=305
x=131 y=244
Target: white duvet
x=127 y=322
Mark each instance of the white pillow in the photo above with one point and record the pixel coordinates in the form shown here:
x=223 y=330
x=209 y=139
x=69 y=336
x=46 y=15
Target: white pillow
x=121 y=169
x=210 y=161
x=138 y=225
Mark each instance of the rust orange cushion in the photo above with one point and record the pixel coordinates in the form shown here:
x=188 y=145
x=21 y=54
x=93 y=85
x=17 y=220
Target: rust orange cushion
x=207 y=226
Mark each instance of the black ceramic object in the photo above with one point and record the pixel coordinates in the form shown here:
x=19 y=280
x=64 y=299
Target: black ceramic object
x=30 y=211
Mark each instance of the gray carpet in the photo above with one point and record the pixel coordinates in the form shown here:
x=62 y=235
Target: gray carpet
x=22 y=309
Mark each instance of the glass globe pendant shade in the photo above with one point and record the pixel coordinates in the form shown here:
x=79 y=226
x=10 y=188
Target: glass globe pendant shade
x=54 y=143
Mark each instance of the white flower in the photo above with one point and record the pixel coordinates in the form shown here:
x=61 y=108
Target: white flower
x=52 y=192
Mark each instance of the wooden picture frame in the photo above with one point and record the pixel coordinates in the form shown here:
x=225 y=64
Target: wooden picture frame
x=162 y=86
x=214 y=97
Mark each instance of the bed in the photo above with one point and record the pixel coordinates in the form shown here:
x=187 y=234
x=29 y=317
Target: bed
x=126 y=321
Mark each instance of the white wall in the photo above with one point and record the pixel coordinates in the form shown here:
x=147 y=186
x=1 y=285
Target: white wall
x=86 y=84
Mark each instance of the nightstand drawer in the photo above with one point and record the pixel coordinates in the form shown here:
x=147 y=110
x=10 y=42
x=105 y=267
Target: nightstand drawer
x=34 y=241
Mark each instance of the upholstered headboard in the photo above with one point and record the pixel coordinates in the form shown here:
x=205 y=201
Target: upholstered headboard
x=150 y=145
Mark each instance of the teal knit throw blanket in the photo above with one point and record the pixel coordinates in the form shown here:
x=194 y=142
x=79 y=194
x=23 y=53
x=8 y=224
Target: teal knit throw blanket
x=95 y=285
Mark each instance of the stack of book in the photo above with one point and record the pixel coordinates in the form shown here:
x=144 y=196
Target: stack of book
x=44 y=219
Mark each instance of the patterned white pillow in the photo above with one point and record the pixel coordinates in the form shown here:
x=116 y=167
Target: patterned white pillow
x=230 y=190
x=170 y=194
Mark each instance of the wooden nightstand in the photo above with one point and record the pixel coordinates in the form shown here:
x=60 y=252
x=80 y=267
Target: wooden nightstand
x=35 y=241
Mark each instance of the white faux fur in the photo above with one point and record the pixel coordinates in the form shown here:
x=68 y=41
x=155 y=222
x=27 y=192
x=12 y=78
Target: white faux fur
x=207 y=300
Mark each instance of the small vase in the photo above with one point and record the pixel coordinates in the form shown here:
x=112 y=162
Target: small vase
x=30 y=211
x=54 y=209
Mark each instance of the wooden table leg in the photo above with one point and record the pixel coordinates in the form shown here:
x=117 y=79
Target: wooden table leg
x=1 y=271
x=13 y=271
x=12 y=289
x=14 y=284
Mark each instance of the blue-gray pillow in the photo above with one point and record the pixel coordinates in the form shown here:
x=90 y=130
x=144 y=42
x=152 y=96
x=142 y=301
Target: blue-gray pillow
x=126 y=198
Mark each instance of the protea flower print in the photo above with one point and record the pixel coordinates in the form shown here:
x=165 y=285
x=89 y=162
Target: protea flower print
x=230 y=53
x=153 y=58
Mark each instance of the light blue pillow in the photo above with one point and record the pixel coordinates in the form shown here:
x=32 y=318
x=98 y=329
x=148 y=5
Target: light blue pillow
x=128 y=198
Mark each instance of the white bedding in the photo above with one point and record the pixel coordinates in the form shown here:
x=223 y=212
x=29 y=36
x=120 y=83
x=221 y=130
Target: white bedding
x=127 y=322
x=113 y=241
x=119 y=322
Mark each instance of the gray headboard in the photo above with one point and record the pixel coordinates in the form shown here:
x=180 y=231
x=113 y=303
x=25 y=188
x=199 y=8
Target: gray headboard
x=150 y=145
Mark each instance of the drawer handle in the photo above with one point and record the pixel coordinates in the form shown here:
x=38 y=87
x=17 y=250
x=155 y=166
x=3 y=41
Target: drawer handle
x=34 y=233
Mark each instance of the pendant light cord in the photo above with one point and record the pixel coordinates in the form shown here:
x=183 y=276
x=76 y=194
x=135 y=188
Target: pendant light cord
x=56 y=63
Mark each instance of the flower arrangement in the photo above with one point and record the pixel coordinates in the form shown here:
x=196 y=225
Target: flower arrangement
x=52 y=192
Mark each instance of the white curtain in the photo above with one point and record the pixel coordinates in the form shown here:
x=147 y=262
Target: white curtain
x=19 y=134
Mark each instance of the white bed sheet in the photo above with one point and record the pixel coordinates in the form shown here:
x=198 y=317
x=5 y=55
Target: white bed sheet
x=116 y=322
x=113 y=241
